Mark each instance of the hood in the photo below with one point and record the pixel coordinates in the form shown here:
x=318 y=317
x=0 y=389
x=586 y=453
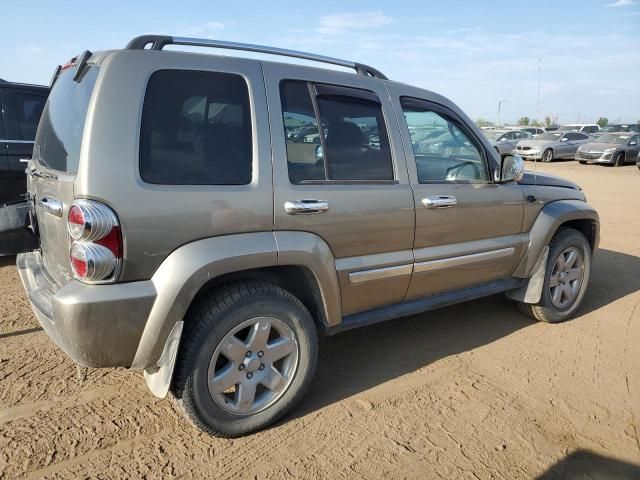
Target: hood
x=598 y=146
x=544 y=179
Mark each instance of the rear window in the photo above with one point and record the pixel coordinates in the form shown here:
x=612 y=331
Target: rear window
x=22 y=112
x=196 y=129
x=59 y=136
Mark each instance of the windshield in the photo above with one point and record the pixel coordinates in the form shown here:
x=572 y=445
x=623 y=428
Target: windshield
x=549 y=136
x=493 y=134
x=611 y=138
x=57 y=143
x=570 y=127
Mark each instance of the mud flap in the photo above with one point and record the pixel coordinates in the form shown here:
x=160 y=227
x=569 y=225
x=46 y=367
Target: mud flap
x=16 y=234
x=531 y=292
x=159 y=378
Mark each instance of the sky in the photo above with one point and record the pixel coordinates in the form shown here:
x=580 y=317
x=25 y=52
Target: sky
x=477 y=53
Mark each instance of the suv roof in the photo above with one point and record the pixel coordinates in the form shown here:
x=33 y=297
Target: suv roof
x=158 y=42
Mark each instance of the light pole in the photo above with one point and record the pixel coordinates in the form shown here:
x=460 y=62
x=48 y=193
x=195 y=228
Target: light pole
x=500 y=102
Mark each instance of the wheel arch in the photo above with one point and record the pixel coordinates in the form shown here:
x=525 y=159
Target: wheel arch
x=297 y=261
x=574 y=214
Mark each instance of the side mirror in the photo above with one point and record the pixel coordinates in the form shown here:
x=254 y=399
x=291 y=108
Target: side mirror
x=631 y=144
x=564 y=139
x=512 y=169
x=318 y=153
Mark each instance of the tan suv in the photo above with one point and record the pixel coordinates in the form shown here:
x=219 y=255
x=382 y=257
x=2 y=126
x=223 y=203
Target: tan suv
x=188 y=229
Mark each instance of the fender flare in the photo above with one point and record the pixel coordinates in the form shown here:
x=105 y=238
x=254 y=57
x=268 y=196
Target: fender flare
x=187 y=269
x=533 y=264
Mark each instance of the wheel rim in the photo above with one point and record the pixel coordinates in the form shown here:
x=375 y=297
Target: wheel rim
x=547 y=156
x=566 y=277
x=253 y=366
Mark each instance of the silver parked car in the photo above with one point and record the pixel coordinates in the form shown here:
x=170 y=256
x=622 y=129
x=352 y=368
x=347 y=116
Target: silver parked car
x=505 y=143
x=552 y=145
x=611 y=148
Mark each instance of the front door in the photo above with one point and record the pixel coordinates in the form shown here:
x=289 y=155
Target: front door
x=468 y=227
x=340 y=173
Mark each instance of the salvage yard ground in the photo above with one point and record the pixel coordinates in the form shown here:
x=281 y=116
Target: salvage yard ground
x=471 y=391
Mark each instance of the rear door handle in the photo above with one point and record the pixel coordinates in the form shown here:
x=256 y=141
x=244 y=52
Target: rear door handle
x=306 y=207
x=440 y=201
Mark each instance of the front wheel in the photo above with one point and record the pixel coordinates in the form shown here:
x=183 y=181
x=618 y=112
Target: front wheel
x=248 y=356
x=547 y=156
x=619 y=159
x=566 y=278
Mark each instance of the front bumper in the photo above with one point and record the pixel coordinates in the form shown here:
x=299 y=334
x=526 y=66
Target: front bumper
x=96 y=325
x=604 y=158
x=528 y=155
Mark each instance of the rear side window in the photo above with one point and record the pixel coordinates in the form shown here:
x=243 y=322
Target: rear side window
x=196 y=129
x=333 y=135
x=59 y=135
x=22 y=113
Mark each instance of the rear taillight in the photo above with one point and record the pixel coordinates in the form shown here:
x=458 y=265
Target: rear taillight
x=96 y=241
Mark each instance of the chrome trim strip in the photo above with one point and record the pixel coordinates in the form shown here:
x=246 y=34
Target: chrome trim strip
x=380 y=273
x=462 y=260
x=16 y=141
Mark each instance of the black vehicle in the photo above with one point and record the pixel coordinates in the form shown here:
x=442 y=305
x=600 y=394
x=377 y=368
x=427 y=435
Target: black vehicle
x=611 y=148
x=20 y=108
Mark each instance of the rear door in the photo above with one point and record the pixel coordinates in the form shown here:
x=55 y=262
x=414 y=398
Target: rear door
x=354 y=179
x=468 y=228
x=5 y=175
x=56 y=155
x=22 y=110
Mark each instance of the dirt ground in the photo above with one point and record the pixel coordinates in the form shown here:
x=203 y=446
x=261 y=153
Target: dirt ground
x=471 y=391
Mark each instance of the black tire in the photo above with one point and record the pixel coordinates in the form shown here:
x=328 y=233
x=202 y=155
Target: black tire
x=208 y=323
x=582 y=162
x=547 y=156
x=545 y=310
x=619 y=159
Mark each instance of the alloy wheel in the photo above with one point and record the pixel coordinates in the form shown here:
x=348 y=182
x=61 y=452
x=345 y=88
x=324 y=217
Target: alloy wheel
x=566 y=278
x=253 y=366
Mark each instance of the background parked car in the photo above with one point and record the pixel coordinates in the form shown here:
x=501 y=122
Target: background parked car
x=534 y=131
x=580 y=127
x=610 y=148
x=506 y=142
x=552 y=145
x=21 y=106
x=618 y=127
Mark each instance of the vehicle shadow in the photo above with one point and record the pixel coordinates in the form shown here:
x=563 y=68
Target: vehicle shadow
x=583 y=464
x=7 y=260
x=357 y=360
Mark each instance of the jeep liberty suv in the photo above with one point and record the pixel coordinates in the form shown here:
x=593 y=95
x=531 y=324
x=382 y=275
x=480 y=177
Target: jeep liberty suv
x=189 y=231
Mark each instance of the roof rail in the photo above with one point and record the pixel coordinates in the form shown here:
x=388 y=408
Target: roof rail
x=158 y=42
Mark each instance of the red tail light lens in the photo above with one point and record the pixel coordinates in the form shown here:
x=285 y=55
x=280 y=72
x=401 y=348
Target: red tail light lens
x=96 y=248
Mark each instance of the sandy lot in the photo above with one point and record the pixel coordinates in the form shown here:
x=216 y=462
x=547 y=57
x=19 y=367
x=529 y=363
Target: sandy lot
x=472 y=391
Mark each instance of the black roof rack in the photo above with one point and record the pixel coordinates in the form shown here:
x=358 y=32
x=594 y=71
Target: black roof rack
x=158 y=42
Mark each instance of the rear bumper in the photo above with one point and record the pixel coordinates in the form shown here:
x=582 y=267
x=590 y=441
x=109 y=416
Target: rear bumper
x=96 y=325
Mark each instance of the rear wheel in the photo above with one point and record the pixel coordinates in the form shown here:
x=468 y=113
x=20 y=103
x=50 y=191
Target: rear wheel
x=566 y=278
x=547 y=156
x=582 y=162
x=248 y=356
x=619 y=159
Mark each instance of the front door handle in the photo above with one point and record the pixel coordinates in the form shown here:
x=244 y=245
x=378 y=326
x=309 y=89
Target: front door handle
x=440 y=201
x=306 y=207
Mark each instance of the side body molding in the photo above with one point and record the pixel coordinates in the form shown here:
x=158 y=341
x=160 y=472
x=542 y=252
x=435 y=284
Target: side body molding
x=549 y=219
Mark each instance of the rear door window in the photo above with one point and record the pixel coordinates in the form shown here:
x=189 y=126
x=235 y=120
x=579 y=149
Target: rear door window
x=196 y=129
x=334 y=134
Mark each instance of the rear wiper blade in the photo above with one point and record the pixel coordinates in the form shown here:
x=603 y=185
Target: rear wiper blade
x=82 y=63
